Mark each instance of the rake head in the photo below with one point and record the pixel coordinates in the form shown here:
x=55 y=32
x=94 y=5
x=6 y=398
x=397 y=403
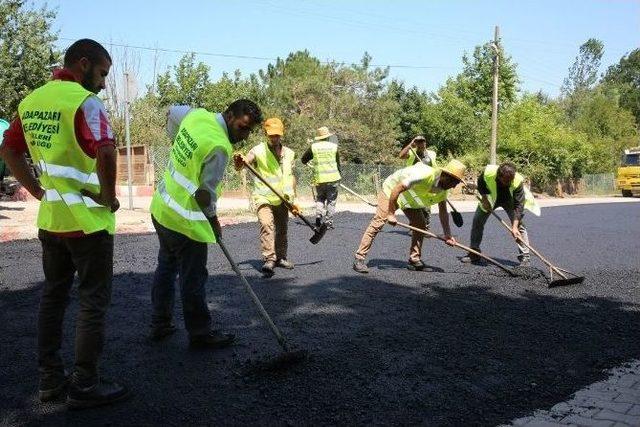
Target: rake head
x=318 y=233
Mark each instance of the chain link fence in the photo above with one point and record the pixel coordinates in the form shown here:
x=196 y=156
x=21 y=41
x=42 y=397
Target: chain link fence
x=363 y=179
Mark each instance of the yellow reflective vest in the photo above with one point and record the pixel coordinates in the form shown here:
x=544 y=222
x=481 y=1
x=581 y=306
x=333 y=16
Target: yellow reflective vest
x=48 y=120
x=174 y=205
x=279 y=176
x=490 y=178
x=325 y=165
x=419 y=195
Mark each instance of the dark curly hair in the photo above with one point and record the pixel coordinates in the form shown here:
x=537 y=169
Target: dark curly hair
x=243 y=107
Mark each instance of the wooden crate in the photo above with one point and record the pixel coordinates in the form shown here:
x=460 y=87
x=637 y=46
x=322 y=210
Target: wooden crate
x=141 y=168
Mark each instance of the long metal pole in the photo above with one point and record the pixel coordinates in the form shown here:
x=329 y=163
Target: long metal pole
x=127 y=137
x=494 y=109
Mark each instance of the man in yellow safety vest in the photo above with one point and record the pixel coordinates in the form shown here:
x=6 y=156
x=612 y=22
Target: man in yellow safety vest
x=324 y=157
x=64 y=127
x=502 y=186
x=184 y=214
x=274 y=162
x=417 y=151
x=412 y=189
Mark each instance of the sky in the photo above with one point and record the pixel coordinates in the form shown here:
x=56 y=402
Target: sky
x=423 y=41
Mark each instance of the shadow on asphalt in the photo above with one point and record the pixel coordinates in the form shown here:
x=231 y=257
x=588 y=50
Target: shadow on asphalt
x=381 y=352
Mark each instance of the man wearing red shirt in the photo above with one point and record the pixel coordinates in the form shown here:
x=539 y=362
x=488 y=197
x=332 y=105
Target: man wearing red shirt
x=64 y=127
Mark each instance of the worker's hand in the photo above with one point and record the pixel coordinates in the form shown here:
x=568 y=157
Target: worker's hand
x=413 y=143
x=450 y=240
x=215 y=224
x=516 y=233
x=100 y=199
x=295 y=210
x=238 y=161
x=391 y=219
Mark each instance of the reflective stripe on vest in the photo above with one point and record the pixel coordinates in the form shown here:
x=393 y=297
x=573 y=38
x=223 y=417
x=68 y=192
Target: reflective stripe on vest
x=279 y=176
x=48 y=121
x=173 y=204
x=324 y=162
x=490 y=178
x=412 y=158
x=419 y=195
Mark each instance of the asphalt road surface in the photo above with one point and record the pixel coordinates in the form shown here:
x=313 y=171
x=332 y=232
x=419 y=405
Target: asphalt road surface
x=454 y=345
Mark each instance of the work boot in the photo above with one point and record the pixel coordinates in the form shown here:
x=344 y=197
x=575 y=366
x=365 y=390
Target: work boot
x=330 y=225
x=160 y=332
x=471 y=258
x=360 y=266
x=100 y=393
x=212 y=340
x=283 y=263
x=267 y=268
x=417 y=265
x=52 y=386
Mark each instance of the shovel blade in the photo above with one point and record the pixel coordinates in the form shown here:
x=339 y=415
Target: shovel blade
x=318 y=233
x=457 y=218
x=566 y=282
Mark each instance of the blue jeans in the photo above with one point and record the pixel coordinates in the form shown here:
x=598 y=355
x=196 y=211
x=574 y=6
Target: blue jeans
x=186 y=258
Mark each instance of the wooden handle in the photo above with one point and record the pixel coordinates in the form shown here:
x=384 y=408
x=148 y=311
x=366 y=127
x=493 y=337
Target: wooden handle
x=459 y=245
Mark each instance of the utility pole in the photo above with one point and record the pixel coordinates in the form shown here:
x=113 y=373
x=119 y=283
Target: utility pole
x=494 y=109
x=127 y=137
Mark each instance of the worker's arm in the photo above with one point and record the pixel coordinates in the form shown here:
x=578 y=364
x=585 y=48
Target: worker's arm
x=393 y=202
x=518 y=210
x=106 y=167
x=444 y=220
x=484 y=193
x=206 y=195
x=20 y=169
x=307 y=156
x=404 y=153
x=338 y=162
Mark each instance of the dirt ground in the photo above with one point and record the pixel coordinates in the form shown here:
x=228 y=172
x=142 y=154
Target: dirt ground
x=454 y=345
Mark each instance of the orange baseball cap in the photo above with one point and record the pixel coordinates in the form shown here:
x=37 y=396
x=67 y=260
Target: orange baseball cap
x=274 y=126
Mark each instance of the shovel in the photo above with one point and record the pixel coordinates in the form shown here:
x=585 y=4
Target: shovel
x=318 y=232
x=564 y=280
x=455 y=215
x=461 y=246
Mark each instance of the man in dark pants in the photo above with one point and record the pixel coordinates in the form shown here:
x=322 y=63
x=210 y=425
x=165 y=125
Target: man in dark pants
x=184 y=214
x=64 y=126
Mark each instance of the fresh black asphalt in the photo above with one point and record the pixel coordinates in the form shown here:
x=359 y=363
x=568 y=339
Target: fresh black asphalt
x=455 y=345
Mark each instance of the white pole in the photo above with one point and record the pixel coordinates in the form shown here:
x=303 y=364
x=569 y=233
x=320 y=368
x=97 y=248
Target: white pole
x=127 y=137
x=494 y=107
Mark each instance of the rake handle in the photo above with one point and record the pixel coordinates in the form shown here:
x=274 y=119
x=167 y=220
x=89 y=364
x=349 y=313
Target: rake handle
x=358 y=195
x=459 y=245
x=538 y=254
x=277 y=193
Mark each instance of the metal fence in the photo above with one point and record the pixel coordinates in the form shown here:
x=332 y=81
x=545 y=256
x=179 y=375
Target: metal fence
x=598 y=184
x=364 y=179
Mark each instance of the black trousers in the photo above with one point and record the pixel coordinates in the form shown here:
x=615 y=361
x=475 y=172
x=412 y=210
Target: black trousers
x=91 y=257
x=180 y=256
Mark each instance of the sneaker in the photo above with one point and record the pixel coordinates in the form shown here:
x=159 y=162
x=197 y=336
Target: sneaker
x=52 y=387
x=101 y=393
x=267 y=268
x=524 y=262
x=360 y=266
x=471 y=258
x=283 y=263
x=330 y=225
x=160 y=332
x=415 y=265
x=212 y=340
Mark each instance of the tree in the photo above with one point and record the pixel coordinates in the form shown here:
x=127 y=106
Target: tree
x=625 y=76
x=187 y=85
x=27 y=52
x=475 y=83
x=583 y=74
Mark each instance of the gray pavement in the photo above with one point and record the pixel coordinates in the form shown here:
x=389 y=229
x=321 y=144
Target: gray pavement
x=456 y=344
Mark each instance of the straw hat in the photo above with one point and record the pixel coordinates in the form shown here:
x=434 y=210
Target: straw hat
x=322 y=133
x=456 y=169
x=273 y=126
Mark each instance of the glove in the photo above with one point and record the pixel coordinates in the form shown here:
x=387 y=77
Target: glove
x=295 y=210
